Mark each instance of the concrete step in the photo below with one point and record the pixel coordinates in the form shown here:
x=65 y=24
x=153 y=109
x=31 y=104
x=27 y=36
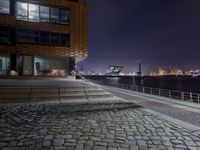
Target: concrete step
x=72 y=92
x=72 y=97
x=103 y=95
x=52 y=90
x=14 y=90
x=70 y=88
x=17 y=94
x=13 y=101
x=95 y=91
x=91 y=87
x=43 y=99
x=90 y=91
x=78 y=88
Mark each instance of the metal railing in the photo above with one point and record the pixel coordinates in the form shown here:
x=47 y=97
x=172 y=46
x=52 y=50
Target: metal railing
x=180 y=95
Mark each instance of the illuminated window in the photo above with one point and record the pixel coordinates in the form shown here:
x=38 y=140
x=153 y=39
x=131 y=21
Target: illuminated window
x=22 y=11
x=64 y=16
x=44 y=14
x=33 y=12
x=5 y=6
x=55 y=15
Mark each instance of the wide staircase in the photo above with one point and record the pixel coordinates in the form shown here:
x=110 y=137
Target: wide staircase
x=53 y=93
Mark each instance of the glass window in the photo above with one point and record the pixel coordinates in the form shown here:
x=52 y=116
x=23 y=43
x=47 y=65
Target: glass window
x=27 y=36
x=44 y=14
x=22 y=11
x=44 y=37
x=55 y=15
x=33 y=12
x=64 y=39
x=5 y=6
x=4 y=64
x=64 y=16
x=55 y=38
x=6 y=35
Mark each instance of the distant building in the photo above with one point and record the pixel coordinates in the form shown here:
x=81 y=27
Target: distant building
x=139 y=73
x=113 y=70
x=43 y=37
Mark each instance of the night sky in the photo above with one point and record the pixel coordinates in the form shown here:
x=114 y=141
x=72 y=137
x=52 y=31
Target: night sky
x=152 y=32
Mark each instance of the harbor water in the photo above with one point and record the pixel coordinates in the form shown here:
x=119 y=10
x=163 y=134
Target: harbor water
x=175 y=83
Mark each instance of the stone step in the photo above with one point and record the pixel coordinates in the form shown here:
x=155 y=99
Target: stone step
x=17 y=94
x=35 y=95
x=13 y=101
x=42 y=99
x=99 y=91
x=72 y=92
x=72 y=97
x=74 y=88
x=14 y=90
x=105 y=95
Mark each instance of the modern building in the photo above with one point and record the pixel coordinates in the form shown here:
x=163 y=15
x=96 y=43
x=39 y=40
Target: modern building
x=113 y=70
x=42 y=37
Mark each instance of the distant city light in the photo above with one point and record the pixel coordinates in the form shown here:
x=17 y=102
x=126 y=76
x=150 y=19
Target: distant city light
x=174 y=71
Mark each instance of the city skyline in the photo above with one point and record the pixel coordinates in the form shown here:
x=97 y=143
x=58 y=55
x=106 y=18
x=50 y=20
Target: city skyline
x=154 y=33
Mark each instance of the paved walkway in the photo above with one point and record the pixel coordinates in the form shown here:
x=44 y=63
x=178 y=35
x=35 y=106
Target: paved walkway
x=101 y=125
x=109 y=126
x=185 y=112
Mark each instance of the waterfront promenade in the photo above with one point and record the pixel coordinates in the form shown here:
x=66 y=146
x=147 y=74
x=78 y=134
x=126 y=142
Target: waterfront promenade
x=134 y=122
x=182 y=110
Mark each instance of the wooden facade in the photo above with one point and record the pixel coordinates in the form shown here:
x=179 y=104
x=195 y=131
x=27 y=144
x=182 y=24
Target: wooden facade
x=77 y=30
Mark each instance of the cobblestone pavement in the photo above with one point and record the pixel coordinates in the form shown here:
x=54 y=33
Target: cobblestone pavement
x=167 y=109
x=89 y=127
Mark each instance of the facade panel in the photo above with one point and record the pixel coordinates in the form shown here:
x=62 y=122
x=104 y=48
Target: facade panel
x=43 y=28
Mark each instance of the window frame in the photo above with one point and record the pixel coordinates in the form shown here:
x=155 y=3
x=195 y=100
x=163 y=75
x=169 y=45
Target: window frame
x=64 y=9
x=67 y=42
x=49 y=37
x=16 y=11
x=58 y=15
x=39 y=19
x=28 y=37
x=40 y=14
x=10 y=36
x=31 y=20
x=54 y=44
x=8 y=8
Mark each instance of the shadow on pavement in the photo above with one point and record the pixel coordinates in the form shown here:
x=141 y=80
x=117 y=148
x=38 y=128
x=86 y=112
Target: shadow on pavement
x=64 y=108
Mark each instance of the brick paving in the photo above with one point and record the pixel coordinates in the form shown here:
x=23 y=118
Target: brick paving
x=105 y=126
